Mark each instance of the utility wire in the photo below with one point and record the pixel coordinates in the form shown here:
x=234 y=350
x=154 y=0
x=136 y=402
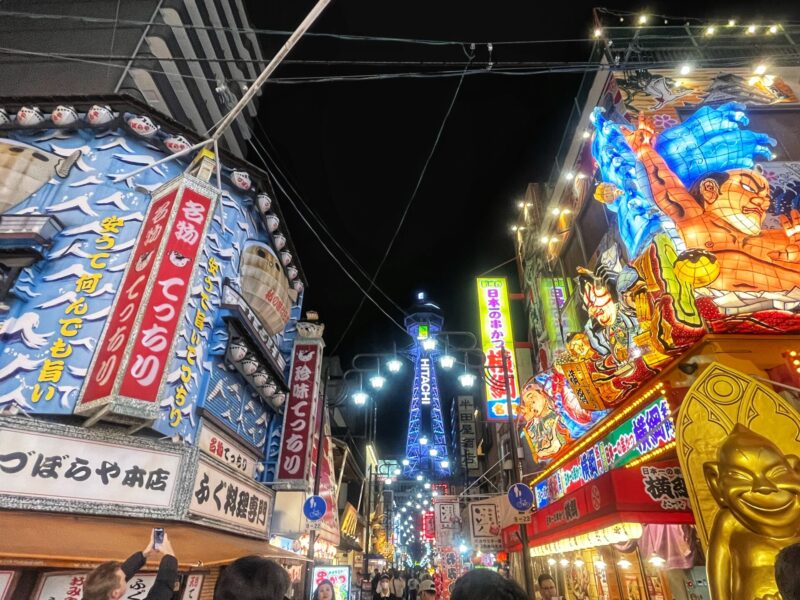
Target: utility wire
x=252 y=141
x=407 y=208
x=317 y=217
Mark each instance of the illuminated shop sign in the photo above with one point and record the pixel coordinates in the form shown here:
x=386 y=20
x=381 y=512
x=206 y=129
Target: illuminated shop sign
x=497 y=343
x=649 y=429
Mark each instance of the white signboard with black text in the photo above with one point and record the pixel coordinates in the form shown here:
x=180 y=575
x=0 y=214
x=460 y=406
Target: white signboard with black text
x=49 y=466
x=484 y=520
x=194 y=583
x=220 y=448
x=229 y=502
x=69 y=586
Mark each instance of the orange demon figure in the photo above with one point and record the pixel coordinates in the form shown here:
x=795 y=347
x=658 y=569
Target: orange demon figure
x=724 y=213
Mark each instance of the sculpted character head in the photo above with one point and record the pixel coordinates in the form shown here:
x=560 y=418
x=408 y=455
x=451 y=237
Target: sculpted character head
x=757 y=483
x=739 y=196
x=579 y=346
x=598 y=301
x=534 y=401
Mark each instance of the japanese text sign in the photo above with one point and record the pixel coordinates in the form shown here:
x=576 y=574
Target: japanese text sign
x=647 y=430
x=497 y=343
x=339 y=576
x=137 y=343
x=59 y=470
x=69 y=586
x=194 y=583
x=447 y=520
x=230 y=501
x=294 y=459
x=224 y=451
x=484 y=519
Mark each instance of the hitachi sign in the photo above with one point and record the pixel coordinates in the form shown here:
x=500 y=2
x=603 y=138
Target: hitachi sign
x=425 y=380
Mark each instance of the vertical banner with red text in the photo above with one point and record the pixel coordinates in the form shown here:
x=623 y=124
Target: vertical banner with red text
x=128 y=370
x=294 y=460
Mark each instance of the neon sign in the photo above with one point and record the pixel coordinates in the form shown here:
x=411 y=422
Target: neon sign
x=647 y=430
x=498 y=347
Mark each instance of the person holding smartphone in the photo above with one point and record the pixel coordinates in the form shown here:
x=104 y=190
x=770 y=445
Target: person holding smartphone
x=109 y=581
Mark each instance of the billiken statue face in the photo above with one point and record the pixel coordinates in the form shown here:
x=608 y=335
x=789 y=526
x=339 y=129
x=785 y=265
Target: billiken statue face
x=757 y=483
x=742 y=200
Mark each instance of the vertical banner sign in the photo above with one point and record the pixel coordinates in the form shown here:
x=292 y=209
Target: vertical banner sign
x=484 y=520
x=447 y=520
x=496 y=334
x=129 y=367
x=467 y=436
x=294 y=460
x=428 y=525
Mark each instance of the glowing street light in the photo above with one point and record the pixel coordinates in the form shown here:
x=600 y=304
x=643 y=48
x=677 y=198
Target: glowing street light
x=394 y=365
x=445 y=464
x=398 y=471
x=419 y=477
x=423 y=441
x=377 y=381
x=388 y=481
x=429 y=344
x=433 y=452
x=447 y=361
x=405 y=462
x=419 y=495
x=427 y=485
x=360 y=397
x=467 y=380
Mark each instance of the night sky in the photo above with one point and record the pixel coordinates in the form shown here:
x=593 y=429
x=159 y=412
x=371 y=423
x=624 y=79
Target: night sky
x=355 y=150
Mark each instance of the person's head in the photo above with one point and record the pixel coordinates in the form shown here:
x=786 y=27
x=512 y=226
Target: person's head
x=324 y=591
x=483 y=584
x=787 y=566
x=252 y=578
x=106 y=582
x=547 y=586
x=739 y=196
x=427 y=590
x=383 y=584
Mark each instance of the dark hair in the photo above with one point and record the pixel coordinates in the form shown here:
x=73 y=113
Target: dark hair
x=719 y=176
x=483 y=584
x=786 y=567
x=321 y=583
x=252 y=578
x=544 y=577
x=101 y=581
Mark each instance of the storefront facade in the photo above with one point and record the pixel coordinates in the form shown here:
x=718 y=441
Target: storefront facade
x=660 y=282
x=149 y=326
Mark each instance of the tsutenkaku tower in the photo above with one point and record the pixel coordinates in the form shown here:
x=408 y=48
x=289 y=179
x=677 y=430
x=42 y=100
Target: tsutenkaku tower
x=423 y=323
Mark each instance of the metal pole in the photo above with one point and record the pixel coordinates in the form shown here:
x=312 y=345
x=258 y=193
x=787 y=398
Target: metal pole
x=273 y=64
x=312 y=535
x=516 y=472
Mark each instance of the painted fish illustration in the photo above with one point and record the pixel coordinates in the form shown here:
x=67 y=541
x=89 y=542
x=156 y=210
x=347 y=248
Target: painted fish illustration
x=30 y=116
x=143 y=126
x=63 y=116
x=176 y=143
x=24 y=169
x=99 y=115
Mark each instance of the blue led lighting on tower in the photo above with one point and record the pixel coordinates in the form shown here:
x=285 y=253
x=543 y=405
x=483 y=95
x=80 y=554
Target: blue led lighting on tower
x=424 y=322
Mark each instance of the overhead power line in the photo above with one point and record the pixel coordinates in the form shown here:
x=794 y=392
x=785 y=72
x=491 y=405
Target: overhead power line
x=407 y=207
x=253 y=144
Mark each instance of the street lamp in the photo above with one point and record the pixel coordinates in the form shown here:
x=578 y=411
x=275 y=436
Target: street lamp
x=434 y=452
x=447 y=361
x=360 y=397
x=423 y=441
x=394 y=365
x=398 y=471
x=377 y=381
x=405 y=462
x=445 y=465
x=429 y=344
x=467 y=380
x=419 y=477
x=427 y=485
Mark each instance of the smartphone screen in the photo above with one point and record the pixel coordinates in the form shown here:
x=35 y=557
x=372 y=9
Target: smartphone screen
x=158 y=536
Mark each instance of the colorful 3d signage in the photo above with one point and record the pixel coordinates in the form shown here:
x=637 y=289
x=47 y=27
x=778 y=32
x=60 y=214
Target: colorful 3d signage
x=498 y=347
x=67 y=323
x=551 y=416
x=647 y=430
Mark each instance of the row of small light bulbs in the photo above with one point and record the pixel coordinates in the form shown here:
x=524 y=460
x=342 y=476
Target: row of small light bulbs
x=709 y=30
x=600 y=564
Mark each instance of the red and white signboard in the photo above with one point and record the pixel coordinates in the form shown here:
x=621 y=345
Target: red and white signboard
x=295 y=455
x=136 y=346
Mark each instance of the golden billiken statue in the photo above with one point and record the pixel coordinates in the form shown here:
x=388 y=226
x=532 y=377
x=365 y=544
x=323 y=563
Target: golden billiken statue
x=757 y=488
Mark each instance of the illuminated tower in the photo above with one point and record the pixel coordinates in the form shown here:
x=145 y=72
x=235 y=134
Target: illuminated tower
x=425 y=449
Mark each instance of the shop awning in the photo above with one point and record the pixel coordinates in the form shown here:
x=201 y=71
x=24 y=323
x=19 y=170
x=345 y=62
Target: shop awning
x=71 y=541
x=610 y=507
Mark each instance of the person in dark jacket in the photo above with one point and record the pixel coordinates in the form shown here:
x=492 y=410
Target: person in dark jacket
x=109 y=581
x=252 y=578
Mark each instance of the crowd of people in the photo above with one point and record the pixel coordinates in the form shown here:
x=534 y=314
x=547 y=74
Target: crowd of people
x=259 y=578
